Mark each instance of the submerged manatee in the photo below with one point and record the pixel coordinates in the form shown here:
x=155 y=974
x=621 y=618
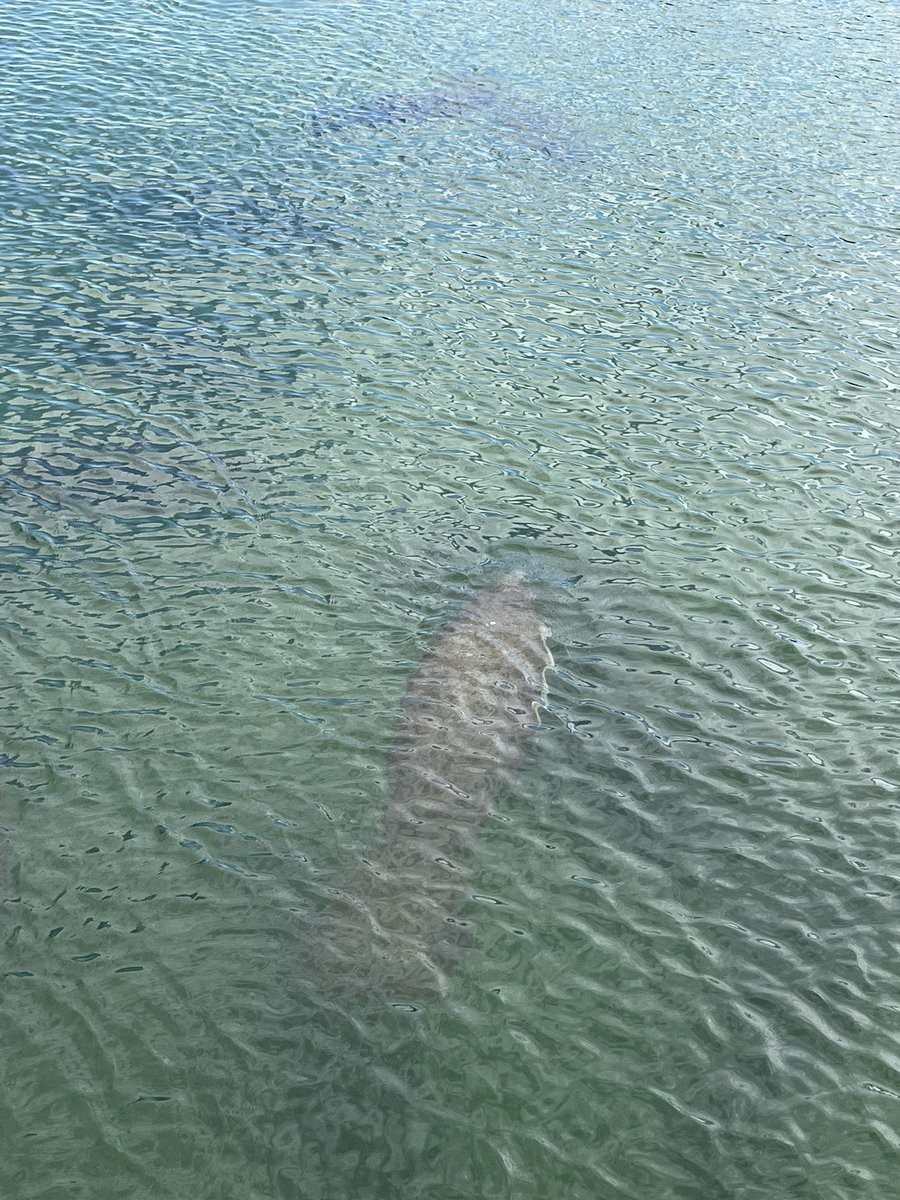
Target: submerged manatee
x=467 y=716
x=402 y=108
x=114 y=476
x=523 y=122
x=205 y=209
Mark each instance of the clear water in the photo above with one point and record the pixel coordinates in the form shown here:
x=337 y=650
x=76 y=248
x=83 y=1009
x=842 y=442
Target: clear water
x=317 y=316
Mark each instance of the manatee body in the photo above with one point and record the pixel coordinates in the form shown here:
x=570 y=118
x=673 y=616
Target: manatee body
x=184 y=208
x=521 y=122
x=468 y=714
x=121 y=477
x=402 y=108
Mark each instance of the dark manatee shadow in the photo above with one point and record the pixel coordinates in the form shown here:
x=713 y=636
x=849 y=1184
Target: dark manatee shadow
x=208 y=210
x=467 y=717
x=529 y=125
x=5 y=763
x=403 y=108
x=170 y=213
x=119 y=476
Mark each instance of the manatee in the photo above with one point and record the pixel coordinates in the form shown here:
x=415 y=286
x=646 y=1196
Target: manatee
x=526 y=124
x=403 y=108
x=204 y=209
x=469 y=711
x=118 y=476
x=6 y=761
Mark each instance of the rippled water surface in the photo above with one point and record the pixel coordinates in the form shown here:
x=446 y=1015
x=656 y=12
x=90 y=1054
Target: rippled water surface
x=317 y=319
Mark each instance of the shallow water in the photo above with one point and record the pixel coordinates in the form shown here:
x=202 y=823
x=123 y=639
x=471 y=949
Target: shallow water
x=281 y=393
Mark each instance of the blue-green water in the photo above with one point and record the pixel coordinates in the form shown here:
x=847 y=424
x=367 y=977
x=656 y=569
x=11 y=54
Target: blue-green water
x=316 y=317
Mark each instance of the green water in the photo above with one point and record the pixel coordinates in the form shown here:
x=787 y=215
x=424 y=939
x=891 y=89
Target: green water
x=317 y=317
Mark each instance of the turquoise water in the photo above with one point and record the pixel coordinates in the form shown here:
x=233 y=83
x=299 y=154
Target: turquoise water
x=316 y=318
